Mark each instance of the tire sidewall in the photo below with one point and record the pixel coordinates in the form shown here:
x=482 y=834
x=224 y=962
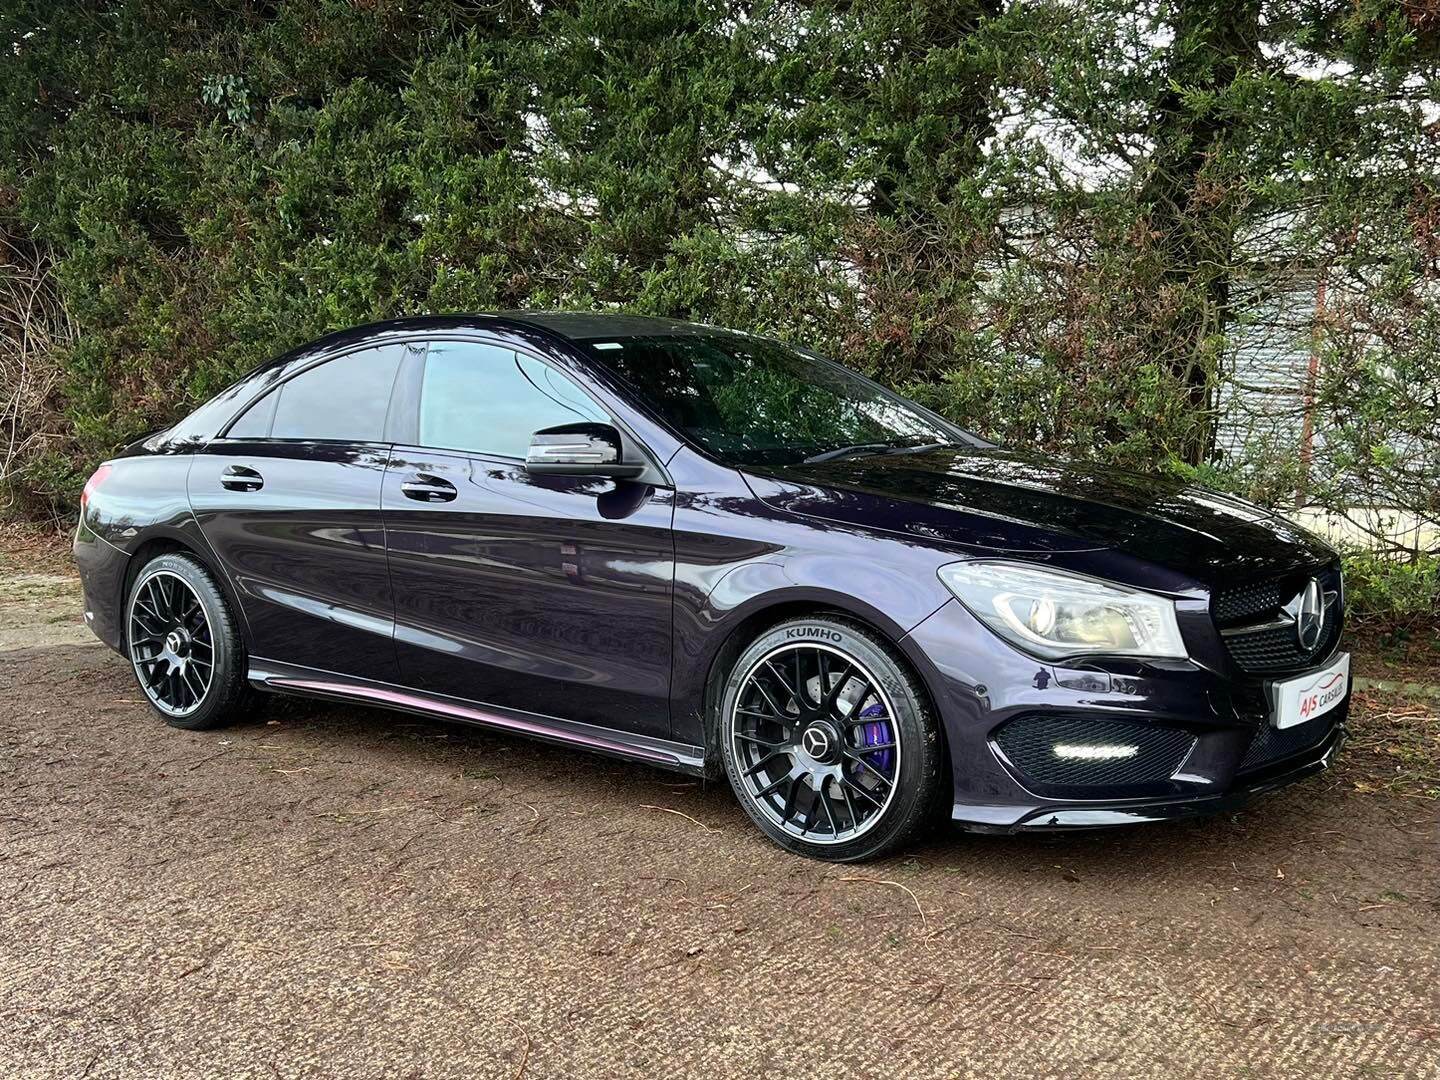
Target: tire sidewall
x=915 y=729
x=221 y=635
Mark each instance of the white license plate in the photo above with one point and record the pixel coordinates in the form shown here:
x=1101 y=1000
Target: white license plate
x=1303 y=698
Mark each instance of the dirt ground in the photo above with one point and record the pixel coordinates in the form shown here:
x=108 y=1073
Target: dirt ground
x=335 y=891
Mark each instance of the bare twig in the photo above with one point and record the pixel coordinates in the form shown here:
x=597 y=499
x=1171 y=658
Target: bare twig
x=525 y=1054
x=677 y=813
x=894 y=884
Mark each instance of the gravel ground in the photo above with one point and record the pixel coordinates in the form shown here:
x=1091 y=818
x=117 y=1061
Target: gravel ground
x=334 y=891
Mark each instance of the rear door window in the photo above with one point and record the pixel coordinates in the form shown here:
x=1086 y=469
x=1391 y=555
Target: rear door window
x=341 y=400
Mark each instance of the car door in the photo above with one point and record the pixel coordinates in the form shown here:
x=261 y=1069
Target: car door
x=289 y=499
x=546 y=594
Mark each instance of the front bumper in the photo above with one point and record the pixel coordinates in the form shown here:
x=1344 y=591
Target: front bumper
x=1101 y=815
x=1214 y=727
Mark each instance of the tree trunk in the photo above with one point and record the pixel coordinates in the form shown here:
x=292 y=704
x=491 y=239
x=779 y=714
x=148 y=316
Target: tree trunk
x=1192 y=192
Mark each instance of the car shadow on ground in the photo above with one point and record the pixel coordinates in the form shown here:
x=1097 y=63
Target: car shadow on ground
x=1313 y=814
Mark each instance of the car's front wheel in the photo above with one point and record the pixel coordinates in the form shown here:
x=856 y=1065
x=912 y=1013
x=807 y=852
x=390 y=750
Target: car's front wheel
x=184 y=645
x=828 y=740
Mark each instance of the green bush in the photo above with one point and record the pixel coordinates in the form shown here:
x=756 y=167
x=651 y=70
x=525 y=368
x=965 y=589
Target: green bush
x=1393 y=594
x=1055 y=220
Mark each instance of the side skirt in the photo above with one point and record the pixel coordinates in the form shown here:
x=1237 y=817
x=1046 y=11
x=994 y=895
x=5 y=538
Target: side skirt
x=309 y=682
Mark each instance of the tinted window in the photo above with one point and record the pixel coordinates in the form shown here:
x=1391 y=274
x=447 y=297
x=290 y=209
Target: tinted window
x=490 y=400
x=343 y=399
x=254 y=423
x=753 y=401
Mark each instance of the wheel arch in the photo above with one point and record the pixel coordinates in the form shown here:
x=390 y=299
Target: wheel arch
x=748 y=622
x=166 y=541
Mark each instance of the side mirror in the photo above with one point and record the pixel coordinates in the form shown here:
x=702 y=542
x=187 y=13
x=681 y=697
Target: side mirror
x=579 y=450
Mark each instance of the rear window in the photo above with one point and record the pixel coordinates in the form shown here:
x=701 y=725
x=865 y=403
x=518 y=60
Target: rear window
x=341 y=400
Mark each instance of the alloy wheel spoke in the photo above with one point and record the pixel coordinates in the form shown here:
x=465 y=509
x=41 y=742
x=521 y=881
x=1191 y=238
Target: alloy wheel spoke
x=850 y=785
x=852 y=714
x=772 y=787
x=877 y=773
x=766 y=760
x=200 y=692
x=849 y=806
x=790 y=794
x=768 y=699
x=811 y=816
x=758 y=715
x=825 y=802
x=780 y=675
x=832 y=695
x=767 y=743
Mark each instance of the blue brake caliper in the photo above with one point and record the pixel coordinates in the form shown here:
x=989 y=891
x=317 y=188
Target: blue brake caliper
x=876 y=732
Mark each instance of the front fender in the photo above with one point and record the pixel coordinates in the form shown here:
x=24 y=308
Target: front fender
x=888 y=597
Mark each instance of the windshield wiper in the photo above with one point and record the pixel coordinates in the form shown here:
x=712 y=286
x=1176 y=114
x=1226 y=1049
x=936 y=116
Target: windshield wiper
x=873 y=448
x=922 y=448
x=848 y=451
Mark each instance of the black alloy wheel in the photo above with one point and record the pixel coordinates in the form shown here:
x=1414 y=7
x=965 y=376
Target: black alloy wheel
x=183 y=645
x=828 y=741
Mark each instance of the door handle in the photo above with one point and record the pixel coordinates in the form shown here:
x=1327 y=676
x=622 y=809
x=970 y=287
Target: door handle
x=426 y=488
x=241 y=478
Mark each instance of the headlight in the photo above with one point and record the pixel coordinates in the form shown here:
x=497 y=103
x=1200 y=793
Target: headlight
x=1054 y=614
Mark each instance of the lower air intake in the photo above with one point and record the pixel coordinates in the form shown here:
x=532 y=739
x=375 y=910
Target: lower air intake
x=1274 y=744
x=1070 y=752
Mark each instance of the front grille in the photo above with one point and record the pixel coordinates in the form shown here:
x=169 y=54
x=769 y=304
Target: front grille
x=1245 y=603
x=1272 y=650
x=1029 y=743
x=1273 y=744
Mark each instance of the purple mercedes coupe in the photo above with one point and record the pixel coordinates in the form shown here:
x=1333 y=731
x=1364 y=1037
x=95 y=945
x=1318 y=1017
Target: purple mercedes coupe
x=719 y=554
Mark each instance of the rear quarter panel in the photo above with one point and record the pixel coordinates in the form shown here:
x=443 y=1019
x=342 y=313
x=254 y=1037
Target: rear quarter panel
x=142 y=501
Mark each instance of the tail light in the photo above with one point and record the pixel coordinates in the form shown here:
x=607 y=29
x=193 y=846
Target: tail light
x=93 y=485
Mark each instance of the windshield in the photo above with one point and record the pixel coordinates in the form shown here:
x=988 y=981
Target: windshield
x=750 y=401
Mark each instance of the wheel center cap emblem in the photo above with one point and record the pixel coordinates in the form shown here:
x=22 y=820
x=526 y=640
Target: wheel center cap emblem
x=1310 y=618
x=816 y=742
x=174 y=641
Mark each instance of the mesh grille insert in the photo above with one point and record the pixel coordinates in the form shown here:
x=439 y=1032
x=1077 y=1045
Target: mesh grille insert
x=1247 y=602
x=1273 y=744
x=1029 y=743
x=1275 y=649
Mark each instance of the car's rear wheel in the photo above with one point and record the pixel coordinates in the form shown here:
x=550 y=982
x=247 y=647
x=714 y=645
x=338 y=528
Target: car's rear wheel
x=183 y=644
x=828 y=740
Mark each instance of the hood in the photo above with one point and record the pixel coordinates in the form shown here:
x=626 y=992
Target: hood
x=1004 y=502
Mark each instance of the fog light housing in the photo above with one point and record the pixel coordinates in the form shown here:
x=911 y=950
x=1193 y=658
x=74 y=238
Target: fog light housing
x=1080 y=754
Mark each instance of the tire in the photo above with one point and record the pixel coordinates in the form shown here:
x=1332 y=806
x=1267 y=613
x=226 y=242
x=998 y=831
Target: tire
x=847 y=774
x=183 y=645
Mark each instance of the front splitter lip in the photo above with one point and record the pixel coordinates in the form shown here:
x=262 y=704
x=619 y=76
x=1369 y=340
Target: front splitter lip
x=1102 y=815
